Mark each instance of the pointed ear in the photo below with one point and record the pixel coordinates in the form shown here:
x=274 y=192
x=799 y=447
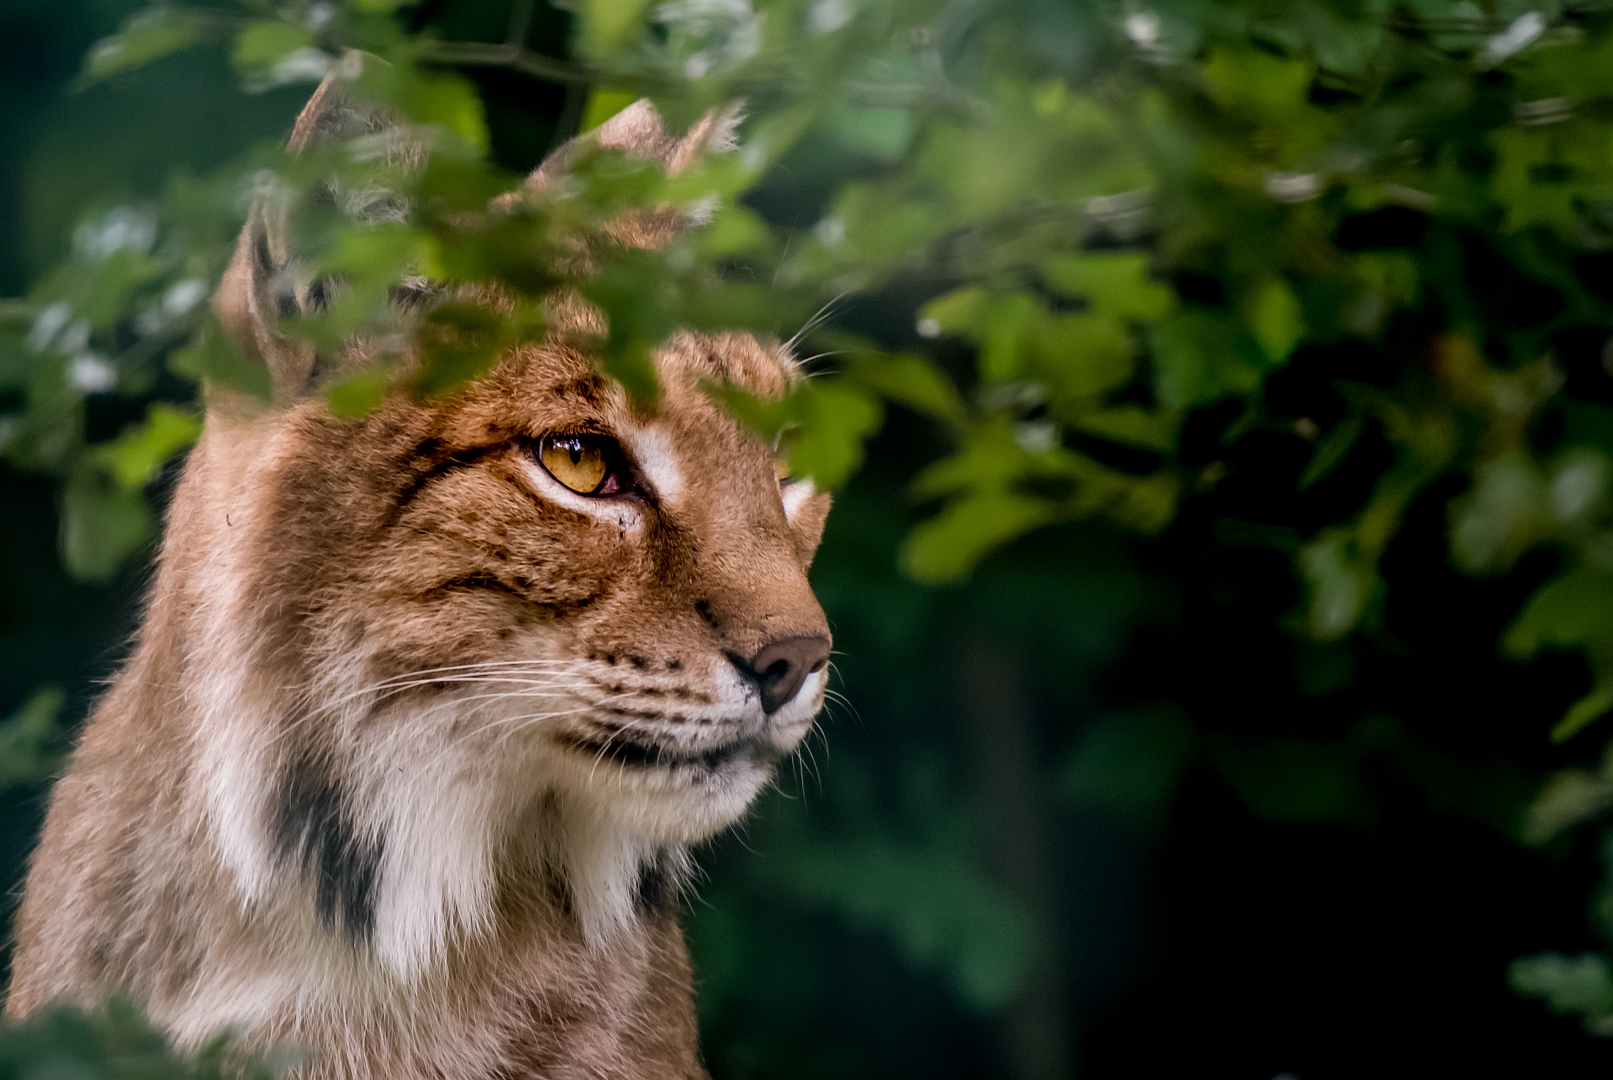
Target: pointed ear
x=639 y=131
x=264 y=281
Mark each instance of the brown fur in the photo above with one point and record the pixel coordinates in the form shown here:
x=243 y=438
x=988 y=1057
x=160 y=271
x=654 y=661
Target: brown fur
x=405 y=762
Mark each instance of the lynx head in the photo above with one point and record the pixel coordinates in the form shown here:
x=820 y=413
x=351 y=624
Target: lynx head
x=526 y=635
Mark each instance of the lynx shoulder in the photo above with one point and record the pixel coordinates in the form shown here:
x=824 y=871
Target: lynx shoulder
x=427 y=706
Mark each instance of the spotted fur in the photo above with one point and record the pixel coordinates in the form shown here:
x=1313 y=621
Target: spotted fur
x=405 y=765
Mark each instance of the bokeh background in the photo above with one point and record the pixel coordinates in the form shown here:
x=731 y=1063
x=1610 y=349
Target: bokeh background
x=1099 y=811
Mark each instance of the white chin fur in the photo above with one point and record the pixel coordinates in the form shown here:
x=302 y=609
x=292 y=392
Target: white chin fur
x=477 y=785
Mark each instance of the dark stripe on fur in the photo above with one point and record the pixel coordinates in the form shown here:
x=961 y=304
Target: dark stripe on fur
x=432 y=460
x=477 y=582
x=658 y=888
x=314 y=830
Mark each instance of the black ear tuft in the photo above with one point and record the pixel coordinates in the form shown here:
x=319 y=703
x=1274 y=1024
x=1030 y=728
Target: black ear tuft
x=264 y=282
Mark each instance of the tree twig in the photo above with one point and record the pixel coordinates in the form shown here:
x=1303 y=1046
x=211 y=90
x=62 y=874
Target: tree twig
x=516 y=57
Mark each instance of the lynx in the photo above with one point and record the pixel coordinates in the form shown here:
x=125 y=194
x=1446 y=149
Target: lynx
x=428 y=706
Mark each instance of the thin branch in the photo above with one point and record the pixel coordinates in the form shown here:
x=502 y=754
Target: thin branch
x=515 y=57
x=520 y=22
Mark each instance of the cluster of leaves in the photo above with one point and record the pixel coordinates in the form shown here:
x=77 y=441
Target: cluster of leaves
x=114 y=1043
x=1108 y=224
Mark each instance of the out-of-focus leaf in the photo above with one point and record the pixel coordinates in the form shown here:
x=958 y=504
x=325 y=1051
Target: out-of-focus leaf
x=1566 y=612
x=1275 y=319
x=1503 y=513
x=1114 y=283
x=947 y=546
x=936 y=903
x=212 y=357
x=135 y=456
x=147 y=36
x=909 y=380
x=260 y=44
x=606 y=22
x=828 y=421
x=737 y=230
x=32 y=743
x=1575 y=985
x=1570 y=797
x=604 y=103
x=1339 y=584
x=1288 y=779
x=115 y=1042
x=103 y=524
x=1130 y=764
x=836 y=419
x=1200 y=357
x=359 y=394
x=1331 y=449
x=1154 y=429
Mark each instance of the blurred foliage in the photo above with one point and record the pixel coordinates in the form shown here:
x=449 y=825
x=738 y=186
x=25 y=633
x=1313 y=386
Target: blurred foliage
x=114 y=1043
x=1111 y=248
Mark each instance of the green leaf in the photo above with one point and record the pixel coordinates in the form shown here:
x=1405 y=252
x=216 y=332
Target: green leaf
x=606 y=22
x=261 y=44
x=1339 y=582
x=948 y=546
x=1574 y=985
x=212 y=357
x=878 y=133
x=1584 y=712
x=1130 y=764
x=736 y=230
x=1153 y=429
x=1570 y=611
x=359 y=395
x=448 y=102
x=135 y=456
x=836 y=418
x=909 y=380
x=1331 y=449
x=604 y=103
x=102 y=525
x=1114 y=283
x=1502 y=514
x=32 y=743
x=827 y=420
x=147 y=36
x=1201 y=357
x=1275 y=319
x=1080 y=357
x=956 y=312
x=1255 y=80
x=1297 y=780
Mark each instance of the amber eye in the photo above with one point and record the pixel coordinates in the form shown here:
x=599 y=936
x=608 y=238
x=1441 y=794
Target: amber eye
x=584 y=463
x=781 y=468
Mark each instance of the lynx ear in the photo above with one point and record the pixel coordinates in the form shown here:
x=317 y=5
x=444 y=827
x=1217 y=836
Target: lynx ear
x=264 y=281
x=639 y=131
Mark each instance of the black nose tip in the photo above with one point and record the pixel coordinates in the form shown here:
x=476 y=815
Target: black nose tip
x=782 y=666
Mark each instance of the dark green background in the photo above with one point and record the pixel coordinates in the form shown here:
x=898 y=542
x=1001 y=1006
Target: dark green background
x=1306 y=870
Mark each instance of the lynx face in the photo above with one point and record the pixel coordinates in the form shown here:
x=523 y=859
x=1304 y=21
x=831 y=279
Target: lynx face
x=640 y=578
x=527 y=627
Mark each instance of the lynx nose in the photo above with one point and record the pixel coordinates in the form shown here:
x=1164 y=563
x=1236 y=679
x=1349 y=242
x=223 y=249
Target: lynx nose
x=782 y=666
